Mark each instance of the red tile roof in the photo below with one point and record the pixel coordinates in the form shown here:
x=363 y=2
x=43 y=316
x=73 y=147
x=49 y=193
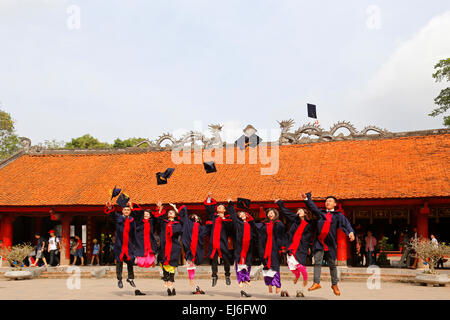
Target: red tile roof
x=411 y=167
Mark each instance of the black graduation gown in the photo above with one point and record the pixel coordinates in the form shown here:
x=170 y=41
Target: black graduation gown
x=118 y=219
x=225 y=231
x=138 y=216
x=239 y=227
x=278 y=242
x=338 y=220
x=188 y=232
x=304 y=244
x=173 y=244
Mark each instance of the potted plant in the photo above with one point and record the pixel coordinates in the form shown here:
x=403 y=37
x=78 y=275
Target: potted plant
x=430 y=253
x=383 y=246
x=15 y=256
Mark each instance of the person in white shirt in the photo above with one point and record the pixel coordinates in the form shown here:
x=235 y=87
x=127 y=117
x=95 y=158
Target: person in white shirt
x=53 y=247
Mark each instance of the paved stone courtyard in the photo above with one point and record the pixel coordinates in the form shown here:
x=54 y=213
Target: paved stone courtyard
x=106 y=288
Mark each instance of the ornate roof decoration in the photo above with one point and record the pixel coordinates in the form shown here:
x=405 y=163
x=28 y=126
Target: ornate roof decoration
x=318 y=134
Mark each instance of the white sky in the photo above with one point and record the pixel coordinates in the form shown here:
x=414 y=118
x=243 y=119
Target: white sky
x=141 y=68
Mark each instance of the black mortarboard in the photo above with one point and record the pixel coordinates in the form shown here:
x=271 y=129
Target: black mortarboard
x=254 y=140
x=244 y=141
x=243 y=203
x=312 y=111
x=209 y=166
x=115 y=192
x=161 y=177
x=122 y=200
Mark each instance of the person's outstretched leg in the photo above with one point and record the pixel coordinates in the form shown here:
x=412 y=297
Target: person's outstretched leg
x=318 y=257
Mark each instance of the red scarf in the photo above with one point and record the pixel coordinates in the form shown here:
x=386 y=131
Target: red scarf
x=245 y=242
x=325 y=230
x=194 y=240
x=216 y=237
x=168 y=248
x=297 y=237
x=268 y=251
x=147 y=243
x=126 y=238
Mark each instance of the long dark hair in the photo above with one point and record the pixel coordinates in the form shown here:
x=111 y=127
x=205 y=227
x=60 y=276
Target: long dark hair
x=277 y=215
x=308 y=214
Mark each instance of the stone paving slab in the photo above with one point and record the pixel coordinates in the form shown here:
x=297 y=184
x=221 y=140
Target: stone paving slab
x=94 y=289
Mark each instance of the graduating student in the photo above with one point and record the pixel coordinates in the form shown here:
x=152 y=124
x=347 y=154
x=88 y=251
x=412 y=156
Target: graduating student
x=192 y=239
x=271 y=235
x=325 y=241
x=299 y=241
x=245 y=235
x=146 y=245
x=124 y=249
x=220 y=226
x=170 y=246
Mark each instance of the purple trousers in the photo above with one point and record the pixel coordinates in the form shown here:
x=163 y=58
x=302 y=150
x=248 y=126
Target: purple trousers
x=273 y=281
x=243 y=275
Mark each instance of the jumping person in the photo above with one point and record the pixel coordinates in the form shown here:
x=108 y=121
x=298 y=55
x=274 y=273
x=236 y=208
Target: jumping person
x=272 y=239
x=220 y=226
x=170 y=247
x=192 y=238
x=325 y=241
x=146 y=246
x=245 y=235
x=124 y=250
x=299 y=242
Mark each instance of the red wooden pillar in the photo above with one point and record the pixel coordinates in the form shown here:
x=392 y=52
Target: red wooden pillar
x=7 y=230
x=65 y=239
x=341 y=248
x=341 y=245
x=422 y=221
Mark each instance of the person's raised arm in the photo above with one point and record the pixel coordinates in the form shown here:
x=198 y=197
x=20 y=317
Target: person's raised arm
x=160 y=211
x=210 y=206
x=136 y=211
x=232 y=212
x=110 y=211
x=291 y=216
x=311 y=205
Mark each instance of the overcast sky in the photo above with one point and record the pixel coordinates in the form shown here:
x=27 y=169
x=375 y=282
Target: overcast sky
x=140 y=68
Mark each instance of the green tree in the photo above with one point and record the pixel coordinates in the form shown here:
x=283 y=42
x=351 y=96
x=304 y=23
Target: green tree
x=443 y=99
x=9 y=141
x=130 y=142
x=86 y=142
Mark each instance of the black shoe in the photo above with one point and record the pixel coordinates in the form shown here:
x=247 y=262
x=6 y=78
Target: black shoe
x=131 y=282
x=120 y=284
x=200 y=291
x=169 y=292
x=245 y=294
x=138 y=293
x=173 y=292
x=228 y=281
x=214 y=281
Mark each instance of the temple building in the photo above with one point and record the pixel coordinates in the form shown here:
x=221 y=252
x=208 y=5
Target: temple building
x=385 y=182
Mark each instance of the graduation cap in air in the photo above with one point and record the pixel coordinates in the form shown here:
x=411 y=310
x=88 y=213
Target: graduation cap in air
x=312 y=111
x=243 y=203
x=115 y=192
x=244 y=141
x=161 y=177
x=209 y=166
x=122 y=200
